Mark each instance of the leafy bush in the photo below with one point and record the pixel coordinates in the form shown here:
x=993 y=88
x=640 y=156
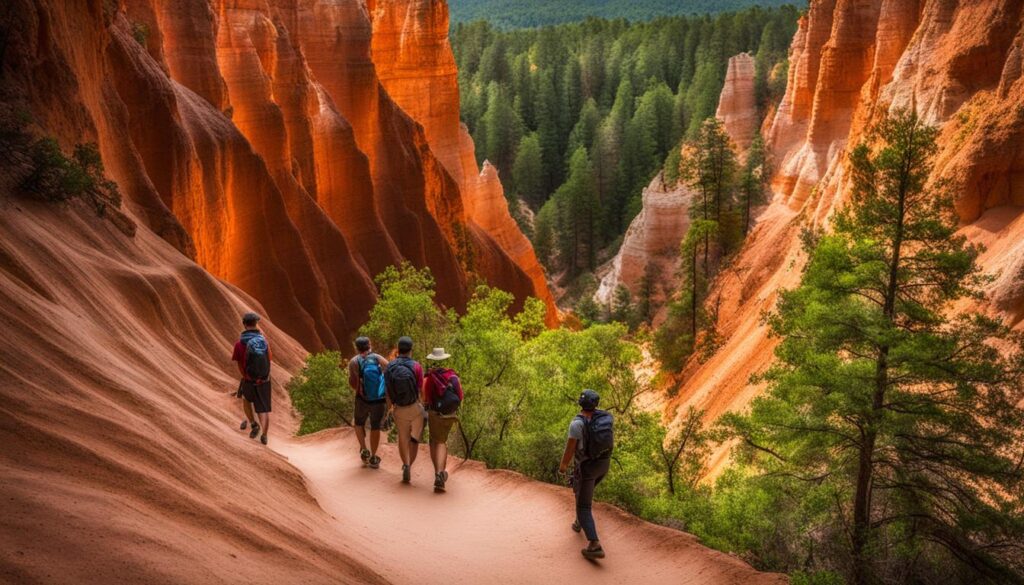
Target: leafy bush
x=321 y=394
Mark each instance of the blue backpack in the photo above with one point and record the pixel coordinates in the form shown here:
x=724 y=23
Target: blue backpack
x=372 y=377
x=257 y=356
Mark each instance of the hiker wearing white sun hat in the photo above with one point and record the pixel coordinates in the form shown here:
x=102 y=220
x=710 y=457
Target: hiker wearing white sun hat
x=442 y=393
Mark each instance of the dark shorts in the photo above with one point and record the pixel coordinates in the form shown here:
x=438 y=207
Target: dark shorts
x=370 y=410
x=257 y=394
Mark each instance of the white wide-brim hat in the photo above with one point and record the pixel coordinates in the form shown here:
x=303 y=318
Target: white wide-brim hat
x=438 y=354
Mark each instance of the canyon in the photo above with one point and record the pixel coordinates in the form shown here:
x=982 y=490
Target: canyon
x=958 y=64
x=262 y=140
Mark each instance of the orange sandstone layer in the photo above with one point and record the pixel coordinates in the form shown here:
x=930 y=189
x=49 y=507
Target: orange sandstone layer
x=257 y=137
x=960 y=65
x=737 y=104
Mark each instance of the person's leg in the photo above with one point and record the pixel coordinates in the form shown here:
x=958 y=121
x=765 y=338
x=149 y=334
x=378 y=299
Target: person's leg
x=404 y=425
x=362 y=412
x=586 y=482
x=416 y=432
x=264 y=422
x=377 y=412
x=247 y=409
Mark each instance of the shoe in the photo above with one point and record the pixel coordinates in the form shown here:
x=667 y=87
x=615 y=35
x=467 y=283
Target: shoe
x=593 y=553
x=576 y=526
x=243 y=426
x=439 y=481
x=374 y=462
x=263 y=439
x=255 y=430
x=364 y=454
x=406 y=474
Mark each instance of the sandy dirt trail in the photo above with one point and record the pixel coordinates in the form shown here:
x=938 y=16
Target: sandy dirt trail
x=490 y=526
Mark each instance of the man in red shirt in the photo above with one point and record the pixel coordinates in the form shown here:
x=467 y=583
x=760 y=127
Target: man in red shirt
x=252 y=354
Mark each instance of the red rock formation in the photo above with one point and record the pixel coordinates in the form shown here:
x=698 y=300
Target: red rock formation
x=257 y=137
x=414 y=60
x=959 y=65
x=652 y=240
x=737 y=105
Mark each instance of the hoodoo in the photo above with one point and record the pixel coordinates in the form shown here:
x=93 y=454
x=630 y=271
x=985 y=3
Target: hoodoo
x=268 y=147
x=851 y=63
x=737 y=105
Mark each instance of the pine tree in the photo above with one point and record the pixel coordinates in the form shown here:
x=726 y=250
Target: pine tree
x=753 y=179
x=906 y=413
x=502 y=128
x=528 y=171
x=710 y=167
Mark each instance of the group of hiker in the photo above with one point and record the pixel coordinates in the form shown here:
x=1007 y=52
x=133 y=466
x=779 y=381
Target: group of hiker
x=399 y=390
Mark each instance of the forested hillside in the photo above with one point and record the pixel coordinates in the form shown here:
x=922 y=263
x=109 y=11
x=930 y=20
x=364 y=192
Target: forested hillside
x=578 y=118
x=529 y=13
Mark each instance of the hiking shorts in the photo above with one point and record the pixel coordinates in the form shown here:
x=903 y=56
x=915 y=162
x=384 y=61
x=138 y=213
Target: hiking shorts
x=440 y=426
x=410 y=419
x=257 y=394
x=370 y=410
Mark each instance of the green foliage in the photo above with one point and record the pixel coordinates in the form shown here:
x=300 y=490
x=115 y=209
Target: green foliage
x=530 y=13
x=405 y=306
x=140 y=32
x=625 y=94
x=899 y=413
x=321 y=394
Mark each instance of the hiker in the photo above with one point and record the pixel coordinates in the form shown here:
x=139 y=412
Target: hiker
x=252 y=353
x=589 y=446
x=404 y=380
x=442 y=393
x=366 y=377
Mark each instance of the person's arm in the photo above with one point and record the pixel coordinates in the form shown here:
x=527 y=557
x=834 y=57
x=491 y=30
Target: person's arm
x=570 y=450
x=426 y=388
x=236 y=357
x=353 y=375
x=420 y=382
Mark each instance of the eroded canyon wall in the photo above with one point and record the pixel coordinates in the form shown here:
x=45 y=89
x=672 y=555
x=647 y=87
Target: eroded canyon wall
x=959 y=65
x=257 y=137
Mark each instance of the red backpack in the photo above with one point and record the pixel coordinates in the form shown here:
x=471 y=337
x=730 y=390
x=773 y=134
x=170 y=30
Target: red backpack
x=449 y=399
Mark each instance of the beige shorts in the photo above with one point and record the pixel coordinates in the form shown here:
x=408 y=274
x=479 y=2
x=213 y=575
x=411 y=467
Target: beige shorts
x=440 y=427
x=409 y=420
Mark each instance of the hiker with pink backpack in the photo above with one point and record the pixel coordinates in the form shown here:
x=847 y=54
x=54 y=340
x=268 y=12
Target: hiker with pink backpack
x=442 y=395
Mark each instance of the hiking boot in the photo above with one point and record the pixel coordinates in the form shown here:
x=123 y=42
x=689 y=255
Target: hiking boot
x=255 y=430
x=439 y=481
x=374 y=462
x=406 y=474
x=263 y=439
x=593 y=552
x=576 y=526
x=364 y=454
x=243 y=426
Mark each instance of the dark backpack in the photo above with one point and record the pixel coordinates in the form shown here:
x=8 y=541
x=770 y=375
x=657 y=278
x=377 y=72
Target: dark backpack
x=449 y=401
x=401 y=382
x=372 y=377
x=257 y=357
x=598 y=435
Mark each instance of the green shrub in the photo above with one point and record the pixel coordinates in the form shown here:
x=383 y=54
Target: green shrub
x=321 y=394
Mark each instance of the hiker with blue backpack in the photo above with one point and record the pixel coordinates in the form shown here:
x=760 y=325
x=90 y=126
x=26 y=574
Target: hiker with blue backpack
x=589 y=447
x=252 y=354
x=442 y=393
x=366 y=377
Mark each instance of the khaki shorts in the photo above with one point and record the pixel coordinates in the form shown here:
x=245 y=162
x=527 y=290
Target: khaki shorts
x=409 y=421
x=440 y=427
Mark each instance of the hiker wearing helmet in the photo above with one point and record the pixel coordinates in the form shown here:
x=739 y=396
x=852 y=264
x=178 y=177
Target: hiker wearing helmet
x=589 y=447
x=366 y=377
x=252 y=354
x=404 y=383
x=442 y=393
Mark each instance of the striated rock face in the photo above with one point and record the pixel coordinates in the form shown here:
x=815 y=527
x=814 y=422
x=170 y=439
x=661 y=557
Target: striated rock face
x=257 y=137
x=651 y=243
x=959 y=64
x=414 y=60
x=737 y=105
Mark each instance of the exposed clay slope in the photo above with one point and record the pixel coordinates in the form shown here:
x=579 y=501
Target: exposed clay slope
x=737 y=104
x=651 y=243
x=257 y=138
x=959 y=65
x=122 y=462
